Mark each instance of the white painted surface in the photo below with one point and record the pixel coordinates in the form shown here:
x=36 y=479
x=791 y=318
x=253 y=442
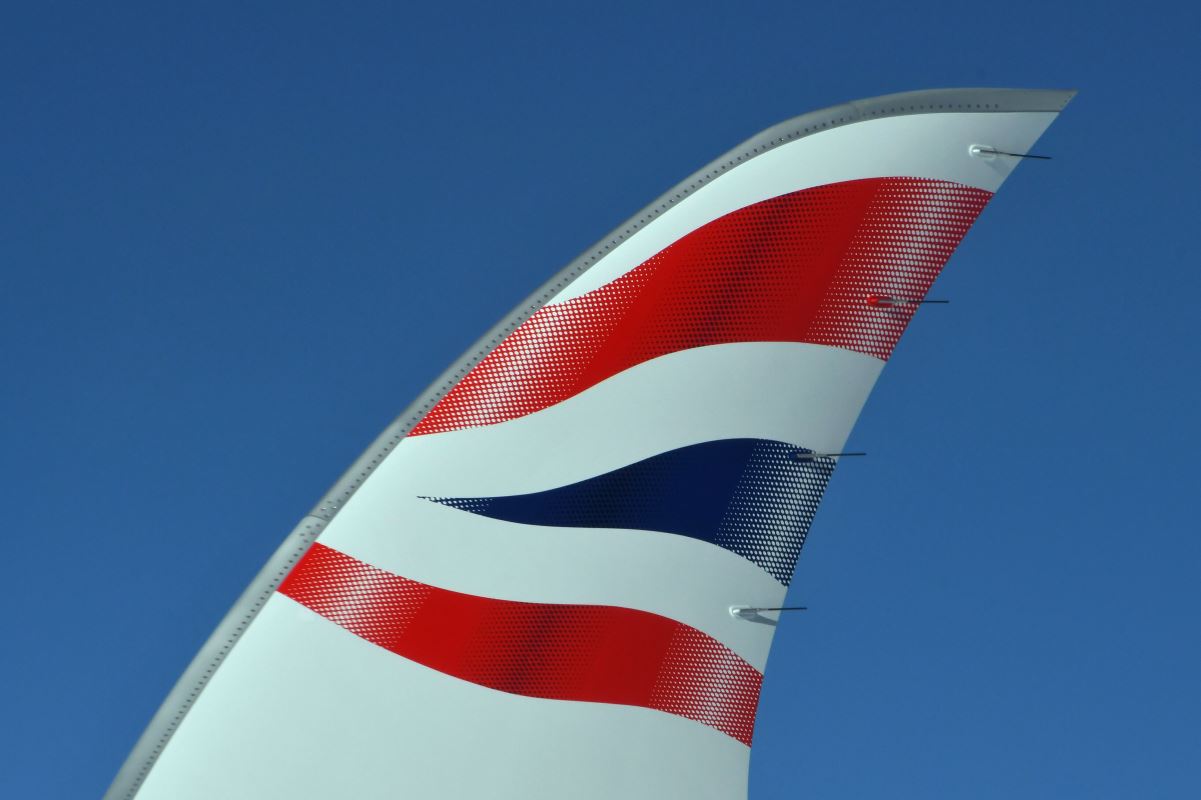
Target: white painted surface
x=304 y=709
x=803 y=394
x=919 y=146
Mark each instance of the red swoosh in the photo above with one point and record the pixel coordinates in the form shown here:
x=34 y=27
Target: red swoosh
x=795 y=268
x=597 y=654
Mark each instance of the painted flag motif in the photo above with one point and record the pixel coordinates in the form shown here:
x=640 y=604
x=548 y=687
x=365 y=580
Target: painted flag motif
x=752 y=497
x=524 y=589
x=795 y=268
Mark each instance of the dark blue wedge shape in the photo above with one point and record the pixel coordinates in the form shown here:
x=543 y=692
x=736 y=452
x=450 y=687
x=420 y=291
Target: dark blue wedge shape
x=753 y=497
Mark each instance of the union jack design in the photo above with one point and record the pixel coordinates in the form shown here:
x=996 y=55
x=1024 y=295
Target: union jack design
x=524 y=591
x=798 y=269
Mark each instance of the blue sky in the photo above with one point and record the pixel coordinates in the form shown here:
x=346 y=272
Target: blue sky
x=236 y=241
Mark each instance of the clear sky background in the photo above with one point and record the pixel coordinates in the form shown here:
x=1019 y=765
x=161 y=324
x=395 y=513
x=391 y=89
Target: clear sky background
x=236 y=241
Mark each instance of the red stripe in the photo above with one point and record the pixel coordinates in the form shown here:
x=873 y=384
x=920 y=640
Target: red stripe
x=796 y=268
x=597 y=654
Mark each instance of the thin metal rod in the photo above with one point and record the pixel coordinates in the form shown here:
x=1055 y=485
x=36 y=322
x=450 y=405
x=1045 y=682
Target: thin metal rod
x=1018 y=155
x=778 y=608
x=816 y=456
x=885 y=301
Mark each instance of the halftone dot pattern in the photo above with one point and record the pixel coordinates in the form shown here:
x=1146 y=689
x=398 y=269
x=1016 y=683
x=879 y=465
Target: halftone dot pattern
x=772 y=509
x=703 y=681
x=795 y=268
x=749 y=496
x=587 y=653
x=908 y=232
x=371 y=603
x=541 y=362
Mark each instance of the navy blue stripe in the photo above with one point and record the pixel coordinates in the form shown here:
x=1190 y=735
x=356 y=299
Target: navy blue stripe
x=752 y=497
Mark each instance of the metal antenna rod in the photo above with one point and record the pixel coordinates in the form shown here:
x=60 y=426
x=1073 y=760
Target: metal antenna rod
x=888 y=301
x=987 y=151
x=1022 y=155
x=816 y=456
x=751 y=613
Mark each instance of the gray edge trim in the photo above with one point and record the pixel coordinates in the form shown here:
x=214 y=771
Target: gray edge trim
x=167 y=719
